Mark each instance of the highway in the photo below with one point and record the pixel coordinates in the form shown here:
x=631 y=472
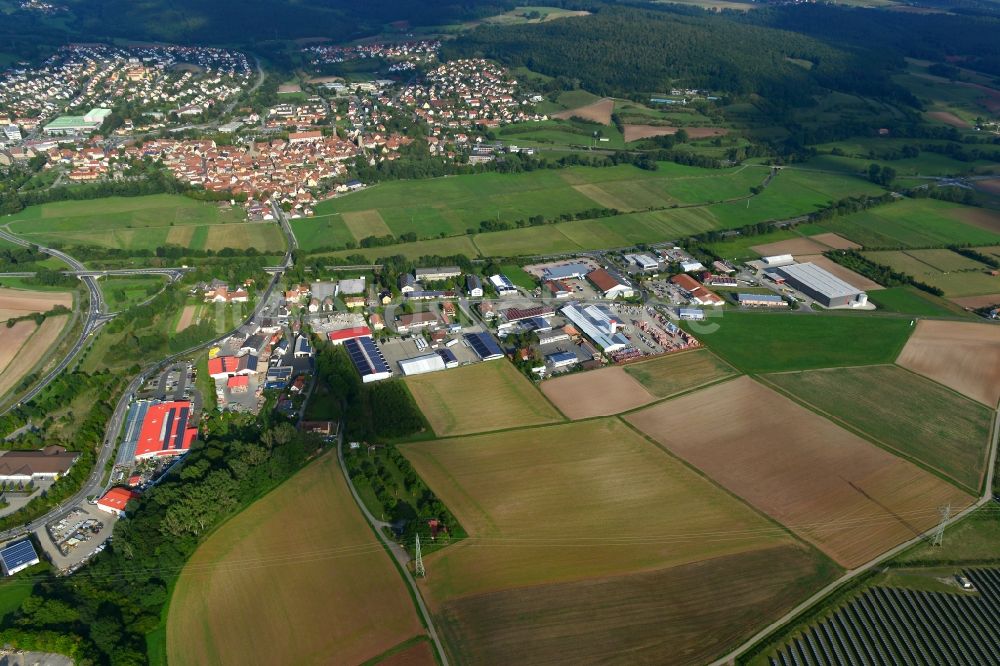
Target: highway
x=94 y=484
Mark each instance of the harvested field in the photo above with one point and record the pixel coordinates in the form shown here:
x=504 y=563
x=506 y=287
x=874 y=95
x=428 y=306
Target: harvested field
x=793 y=246
x=419 y=654
x=582 y=395
x=603 y=197
x=182 y=236
x=992 y=185
x=32 y=351
x=187 y=317
x=678 y=616
x=850 y=498
x=598 y=112
x=856 y=280
x=365 y=223
x=296 y=578
x=262 y=236
x=975 y=302
x=962 y=356
x=981 y=218
x=835 y=242
x=948 y=118
x=675 y=373
x=904 y=412
x=11 y=341
x=20 y=302
x=570 y=502
x=478 y=398
x=637 y=132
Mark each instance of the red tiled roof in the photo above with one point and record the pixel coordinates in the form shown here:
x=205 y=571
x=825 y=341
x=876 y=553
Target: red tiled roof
x=223 y=364
x=117 y=498
x=350 y=333
x=165 y=430
x=603 y=280
x=238 y=382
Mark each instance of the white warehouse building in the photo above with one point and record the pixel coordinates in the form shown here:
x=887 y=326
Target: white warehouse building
x=827 y=289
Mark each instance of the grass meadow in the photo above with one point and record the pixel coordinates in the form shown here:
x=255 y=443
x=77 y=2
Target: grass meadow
x=675 y=373
x=951 y=272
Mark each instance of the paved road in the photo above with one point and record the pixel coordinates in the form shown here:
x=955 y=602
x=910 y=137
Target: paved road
x=402 y=558
x=791 y=615
x=170 y=272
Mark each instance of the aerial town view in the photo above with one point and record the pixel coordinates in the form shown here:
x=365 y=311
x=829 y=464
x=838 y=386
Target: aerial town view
x=440 y=333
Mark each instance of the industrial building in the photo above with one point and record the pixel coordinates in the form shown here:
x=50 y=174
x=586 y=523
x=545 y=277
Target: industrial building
x=691 y=314
x=610 y=286
x=643 y=261
x=115 y=500
x=562 y=359
x=502 y=284
x=566 y=272
x=165 y=430
x=777 y=260
x=26 y=466
x=698 y=294
x=597 y=323
x=437 y=273
x=420 y=365
x=367 y=359
x=17 y=556
x=484 y=345
x=821 y=285
x=448 y=356
x=67 y=125
x=761 y=300
x=340 y=336
x=518 y=314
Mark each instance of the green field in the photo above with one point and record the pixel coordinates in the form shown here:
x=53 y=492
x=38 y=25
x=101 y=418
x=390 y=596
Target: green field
x=761 y=342
x=912 y=301
x=913 y=223
x=960 y=277
x=972 y=540
x=124 y=292
x=675 y=373
x=903 y=412
x=144 y=223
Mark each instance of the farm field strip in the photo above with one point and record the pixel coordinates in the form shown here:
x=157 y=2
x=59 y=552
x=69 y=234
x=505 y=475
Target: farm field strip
x=676 y=373
x=13 y=339
x=905 y=412
x=244 y=577
x=962 y=356
x=486 y=396
x=850 y=498
x=603 y=392
x=32 y=351
x=19 y=302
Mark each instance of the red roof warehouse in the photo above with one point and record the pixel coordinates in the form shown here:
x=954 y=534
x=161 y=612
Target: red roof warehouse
x=165 y=430
x=338 y=337
x=114 y=500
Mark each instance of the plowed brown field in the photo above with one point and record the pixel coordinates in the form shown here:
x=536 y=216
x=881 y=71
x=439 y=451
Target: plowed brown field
x=962 y=356
x=598 y=112
x=850 y=498
x=602 y=392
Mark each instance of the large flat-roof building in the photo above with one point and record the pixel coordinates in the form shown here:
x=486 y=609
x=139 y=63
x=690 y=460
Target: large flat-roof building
x=17 y=556
x=367 y=359
x=826 y=288
x=422 y=364
x=436 y=273
x=484 y=345
x=566 y=271
x=88 y=122
x=761 y=300
x=610 y=286
x=597 y=323
x=502 y=284
x=165 y=431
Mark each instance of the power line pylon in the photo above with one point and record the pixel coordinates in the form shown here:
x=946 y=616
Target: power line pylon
x=939 y=532
x=418 y=567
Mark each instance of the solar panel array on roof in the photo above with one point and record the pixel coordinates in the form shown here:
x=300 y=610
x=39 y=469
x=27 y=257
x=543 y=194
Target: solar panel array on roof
x=367 y=358
x=484 y=345
x=17 y=556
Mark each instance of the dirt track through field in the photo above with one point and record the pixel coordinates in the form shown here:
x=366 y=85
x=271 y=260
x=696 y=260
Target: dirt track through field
x=850 y=498
x=33 y=350
x=637 y=132
x=598 y=112
x=602 y=392
x=187 y=317
x=962 y=356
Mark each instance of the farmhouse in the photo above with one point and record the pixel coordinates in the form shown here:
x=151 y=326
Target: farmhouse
x=115 y=500
x=761 y=300
x=367 y=359
x=473 y=286
x=165 y=430
x=437 y=273
x=698 y=294
x=484 y=345
x=422 y=364
x=17 y=556
x=597 y=323
x=610 y=286
x=25 y=466
x=826 y=288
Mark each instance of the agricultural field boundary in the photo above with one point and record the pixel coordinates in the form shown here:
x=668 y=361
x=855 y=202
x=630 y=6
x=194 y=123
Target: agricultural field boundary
x=764 y=635
x=864 y=434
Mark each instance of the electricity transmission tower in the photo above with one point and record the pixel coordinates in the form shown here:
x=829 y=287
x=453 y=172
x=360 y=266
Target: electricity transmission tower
x=418 y=567
x=939 y=532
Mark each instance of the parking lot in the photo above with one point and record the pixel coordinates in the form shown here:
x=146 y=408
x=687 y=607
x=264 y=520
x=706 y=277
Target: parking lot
x=398 y=349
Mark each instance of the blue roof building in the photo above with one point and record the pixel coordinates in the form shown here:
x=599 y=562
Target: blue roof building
x=17 y=556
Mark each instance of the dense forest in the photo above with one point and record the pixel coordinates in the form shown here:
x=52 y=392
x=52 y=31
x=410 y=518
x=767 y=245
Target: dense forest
x=624 y=50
